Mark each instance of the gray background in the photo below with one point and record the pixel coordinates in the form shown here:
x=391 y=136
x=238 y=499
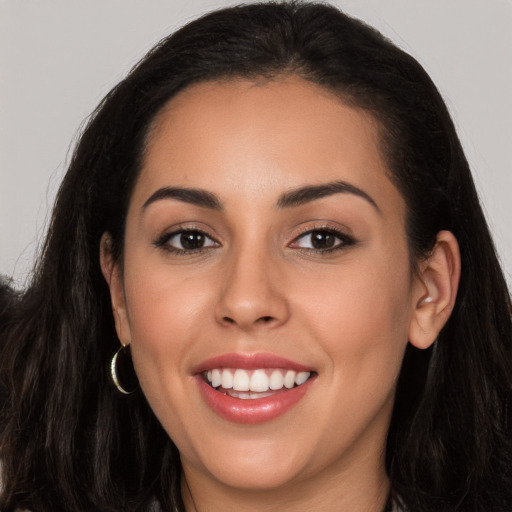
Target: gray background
x=58 y=58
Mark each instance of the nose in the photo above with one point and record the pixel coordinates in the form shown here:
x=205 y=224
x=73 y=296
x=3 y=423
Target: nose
x=253 y=292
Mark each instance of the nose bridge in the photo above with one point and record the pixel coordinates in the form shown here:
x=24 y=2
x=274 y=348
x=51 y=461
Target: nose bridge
x=251 y=294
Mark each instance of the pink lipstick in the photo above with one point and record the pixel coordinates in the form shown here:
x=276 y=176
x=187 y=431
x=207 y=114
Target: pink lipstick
x=252 y=388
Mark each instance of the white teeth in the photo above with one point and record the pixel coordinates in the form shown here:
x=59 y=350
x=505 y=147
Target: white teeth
x=216 y=378
x=227 y=379
x=301 y=378
x=289 y=379
x=240 y=381
x=259 y=381
x=247 y=384
x=276 y=380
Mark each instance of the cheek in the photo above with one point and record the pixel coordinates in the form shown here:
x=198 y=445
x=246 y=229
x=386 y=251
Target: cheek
x=360 y=316
x=165 y=312
x=159 y=294
x=165 y=315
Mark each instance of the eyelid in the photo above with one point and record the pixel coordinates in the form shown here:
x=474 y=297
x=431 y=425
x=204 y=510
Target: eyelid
x=346 y=240
x=162 y=241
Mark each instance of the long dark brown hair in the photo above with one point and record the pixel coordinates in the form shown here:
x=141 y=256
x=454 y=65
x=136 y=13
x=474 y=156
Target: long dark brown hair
x=69 y=441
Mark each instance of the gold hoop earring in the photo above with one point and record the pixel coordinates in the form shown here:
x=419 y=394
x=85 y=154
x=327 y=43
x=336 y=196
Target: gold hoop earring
x=122 y=371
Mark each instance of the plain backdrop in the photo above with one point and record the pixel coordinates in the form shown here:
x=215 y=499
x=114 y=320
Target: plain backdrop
x=58 y=58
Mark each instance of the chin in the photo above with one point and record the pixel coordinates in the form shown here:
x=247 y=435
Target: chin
x=261 y=465
x=248 y=476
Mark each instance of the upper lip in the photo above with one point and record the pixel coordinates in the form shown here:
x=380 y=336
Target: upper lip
x=250 y=362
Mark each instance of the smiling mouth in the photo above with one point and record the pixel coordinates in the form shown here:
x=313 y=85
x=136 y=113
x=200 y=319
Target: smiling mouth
x=253 y=384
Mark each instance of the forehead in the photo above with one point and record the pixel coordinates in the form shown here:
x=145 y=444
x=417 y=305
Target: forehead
x=263 y=136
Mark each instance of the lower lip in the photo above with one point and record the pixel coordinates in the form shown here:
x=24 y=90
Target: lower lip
x=251 y=411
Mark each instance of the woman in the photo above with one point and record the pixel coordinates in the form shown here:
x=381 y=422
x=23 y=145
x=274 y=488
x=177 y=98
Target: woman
x=274 y=216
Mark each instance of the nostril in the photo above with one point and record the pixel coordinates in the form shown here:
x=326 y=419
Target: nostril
x=263 y=320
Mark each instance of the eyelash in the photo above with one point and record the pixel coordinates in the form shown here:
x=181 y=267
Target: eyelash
x=344 y=241
x=163 y=241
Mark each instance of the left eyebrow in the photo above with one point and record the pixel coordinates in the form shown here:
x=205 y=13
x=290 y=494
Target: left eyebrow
x=303 y=195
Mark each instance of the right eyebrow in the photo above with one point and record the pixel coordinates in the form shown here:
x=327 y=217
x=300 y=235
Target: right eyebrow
x=195 y=196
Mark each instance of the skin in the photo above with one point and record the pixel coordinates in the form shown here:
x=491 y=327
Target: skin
x=259 y=286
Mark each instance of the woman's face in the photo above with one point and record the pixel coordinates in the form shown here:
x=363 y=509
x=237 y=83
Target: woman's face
x=265 y=245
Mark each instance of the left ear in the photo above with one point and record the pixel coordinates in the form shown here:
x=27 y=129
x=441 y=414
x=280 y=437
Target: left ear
x=435 y=291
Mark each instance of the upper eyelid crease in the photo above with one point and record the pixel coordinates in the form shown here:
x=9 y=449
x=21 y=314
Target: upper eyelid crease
x=342 y=235
x=345 y=239
x=324 y=225
x=162 y=241
x=192 y=229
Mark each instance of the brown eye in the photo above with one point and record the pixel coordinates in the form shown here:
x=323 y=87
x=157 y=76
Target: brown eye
x=192 y=240
x=322 y=240
x=186 y=241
